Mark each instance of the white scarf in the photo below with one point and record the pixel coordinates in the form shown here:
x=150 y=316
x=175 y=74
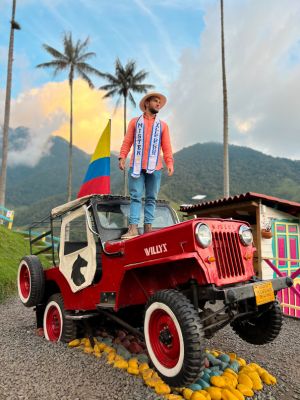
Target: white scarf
x=139 y=147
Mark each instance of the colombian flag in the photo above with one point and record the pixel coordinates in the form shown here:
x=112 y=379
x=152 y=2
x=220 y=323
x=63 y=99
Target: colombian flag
x=97 y=178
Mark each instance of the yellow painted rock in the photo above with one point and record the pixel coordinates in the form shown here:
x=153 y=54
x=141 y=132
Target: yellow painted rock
x=162 y=388
x=214 y=392
x=143 y=367
x=111 y=357
x=152 y=382
x=97 y=354
x=254 y=366
x=109 y=349
x=133 y=371
x=228 y=395
x=85 y=342
x=88 y=350
x=244 y=379
x=205 y=394
x=232 y=356
x=133 y=363
x=230 y=379
x=121 y=364
x=74 y=343
x=187 y=393
x=101 y=346
x=147 y=373
x=257 y=383
x=245 y=390
x=197 y=396
x=236 y=392
x=231 y=371
x=241 y=361
x=260 y=371
x=218 y=381
x=118 y=358
x=268 y=378
x=172 y=396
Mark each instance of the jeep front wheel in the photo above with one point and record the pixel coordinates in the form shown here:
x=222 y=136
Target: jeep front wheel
x=56 y=326
x=262 y=328
x=174 y=337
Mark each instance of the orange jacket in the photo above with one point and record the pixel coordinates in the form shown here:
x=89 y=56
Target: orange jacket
x=165 y=142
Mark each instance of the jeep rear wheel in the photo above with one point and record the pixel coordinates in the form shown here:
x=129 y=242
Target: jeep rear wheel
x=261 y=329
x=174 y=337
x=31 y=281
x=56 y=326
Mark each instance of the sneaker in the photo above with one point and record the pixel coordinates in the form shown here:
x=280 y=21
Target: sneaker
x=131 y=233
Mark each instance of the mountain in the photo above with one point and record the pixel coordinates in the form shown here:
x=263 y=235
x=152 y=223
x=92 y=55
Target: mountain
x=33 y=191
x=199 y=170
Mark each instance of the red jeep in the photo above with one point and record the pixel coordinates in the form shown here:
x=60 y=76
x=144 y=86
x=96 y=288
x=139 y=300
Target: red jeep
x=158 y=284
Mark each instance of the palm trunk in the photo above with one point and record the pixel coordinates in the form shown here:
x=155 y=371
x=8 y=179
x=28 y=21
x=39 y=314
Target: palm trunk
x=7 y=110
x=125 y=128
x=70 y=162
x=225 y=110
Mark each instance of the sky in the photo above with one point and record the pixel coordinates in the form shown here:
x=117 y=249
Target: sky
x=178 y=43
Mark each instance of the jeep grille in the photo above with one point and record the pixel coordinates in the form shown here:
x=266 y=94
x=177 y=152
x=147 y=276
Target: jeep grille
x=228 y=254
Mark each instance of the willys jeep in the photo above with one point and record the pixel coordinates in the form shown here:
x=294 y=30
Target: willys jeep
x=159 y=285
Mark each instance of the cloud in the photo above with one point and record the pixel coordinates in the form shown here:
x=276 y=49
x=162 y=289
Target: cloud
x=45 y=112
x=263 y=77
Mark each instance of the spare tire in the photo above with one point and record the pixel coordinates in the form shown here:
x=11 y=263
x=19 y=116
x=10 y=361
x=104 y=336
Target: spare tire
x=31 y=281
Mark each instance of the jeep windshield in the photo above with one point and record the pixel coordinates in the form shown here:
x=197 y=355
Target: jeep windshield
x=116 y=216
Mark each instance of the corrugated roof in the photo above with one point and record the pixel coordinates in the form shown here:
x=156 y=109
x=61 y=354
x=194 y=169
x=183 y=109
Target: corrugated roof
x=286 y=205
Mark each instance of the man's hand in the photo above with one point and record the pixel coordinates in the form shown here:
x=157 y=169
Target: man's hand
x=170 y=171
x=122 y=164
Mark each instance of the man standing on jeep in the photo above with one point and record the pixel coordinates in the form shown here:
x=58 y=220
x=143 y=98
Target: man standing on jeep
x=148 y=135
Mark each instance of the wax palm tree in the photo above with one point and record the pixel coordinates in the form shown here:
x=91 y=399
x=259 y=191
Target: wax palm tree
x=225 y=109
x=13 y=26
x=73 y=59
x=123 y=84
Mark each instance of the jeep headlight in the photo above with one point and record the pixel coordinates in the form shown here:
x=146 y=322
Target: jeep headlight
x=203 y=235
x=245 y=234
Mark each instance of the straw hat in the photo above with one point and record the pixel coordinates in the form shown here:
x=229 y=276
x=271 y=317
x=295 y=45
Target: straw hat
x=163 y=99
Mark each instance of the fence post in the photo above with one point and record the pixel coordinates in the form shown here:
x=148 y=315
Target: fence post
x=10 y=224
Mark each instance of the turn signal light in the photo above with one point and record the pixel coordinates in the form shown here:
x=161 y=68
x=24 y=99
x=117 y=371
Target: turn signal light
x=248 y=256
x=210 y=259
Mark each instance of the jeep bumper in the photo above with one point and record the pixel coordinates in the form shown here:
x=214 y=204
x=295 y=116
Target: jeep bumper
x=241 y=292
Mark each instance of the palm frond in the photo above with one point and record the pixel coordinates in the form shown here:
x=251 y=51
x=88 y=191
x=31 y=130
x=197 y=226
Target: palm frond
x=140 y=76
x=82 y=45
x=85 y=56
x=86 y=68
x=109 y=86
x=53 y=64
x=125 y=81
x=112 y=79
x=142 y=88
x=55 y=53
x=86 y=78
x=111 y=93
x=57 y=65
x=131 y=99
x=69 y=48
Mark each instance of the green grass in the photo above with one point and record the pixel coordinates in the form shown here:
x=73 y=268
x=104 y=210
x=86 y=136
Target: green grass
x=13 y=247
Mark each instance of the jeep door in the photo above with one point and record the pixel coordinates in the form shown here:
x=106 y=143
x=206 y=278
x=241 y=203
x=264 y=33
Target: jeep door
x=77 y=251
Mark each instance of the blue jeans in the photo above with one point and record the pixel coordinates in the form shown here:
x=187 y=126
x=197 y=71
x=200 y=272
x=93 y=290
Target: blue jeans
x=151 y=184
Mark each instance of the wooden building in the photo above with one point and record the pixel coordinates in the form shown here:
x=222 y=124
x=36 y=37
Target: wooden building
x=276 y=231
